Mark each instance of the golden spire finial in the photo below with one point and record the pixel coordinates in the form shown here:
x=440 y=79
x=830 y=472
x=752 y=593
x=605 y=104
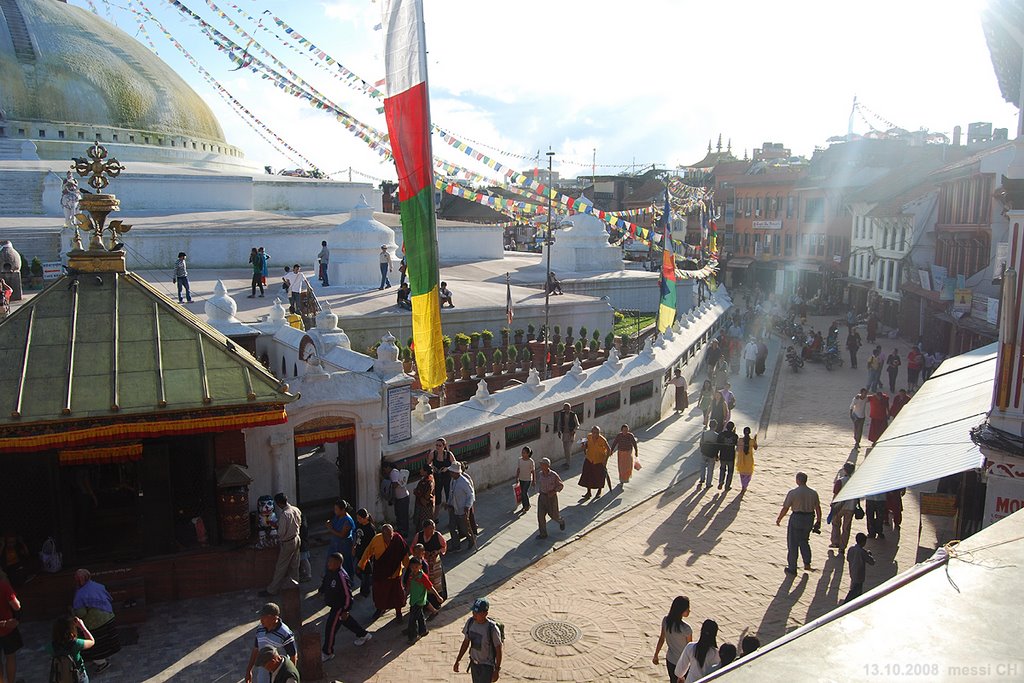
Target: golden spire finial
x=98 y=166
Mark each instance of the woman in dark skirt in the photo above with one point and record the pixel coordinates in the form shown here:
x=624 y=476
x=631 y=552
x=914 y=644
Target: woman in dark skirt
x=595 y=465
x=434 y=548
x=440 y=460
x=364 y=533
x=94 y=606
x=762 y=358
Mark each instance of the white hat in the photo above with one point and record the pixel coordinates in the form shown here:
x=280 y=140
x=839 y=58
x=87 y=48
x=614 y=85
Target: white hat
x=456 y=467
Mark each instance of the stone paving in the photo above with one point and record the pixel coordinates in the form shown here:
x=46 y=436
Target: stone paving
x=606 y=581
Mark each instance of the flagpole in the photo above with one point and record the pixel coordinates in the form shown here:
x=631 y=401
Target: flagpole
x=547 y=276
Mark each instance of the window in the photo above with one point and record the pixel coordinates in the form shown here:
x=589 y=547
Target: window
x=757 y=206
x=789 y=206
x=98 y=137
x=814 y=210
x=871 y=228
x=60 y=134
x=115 y=137
x=21 y=132
x=146 y=139
x=131 y=138
x=789 y=245
x=81 y=135
x=42 y=133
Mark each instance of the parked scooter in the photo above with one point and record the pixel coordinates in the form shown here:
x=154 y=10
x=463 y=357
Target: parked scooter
x=794 y=359
x=832 y=358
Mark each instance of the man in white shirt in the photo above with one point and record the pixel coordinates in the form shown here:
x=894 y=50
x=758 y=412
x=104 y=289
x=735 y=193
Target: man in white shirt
x=297 y=284
x=385 y=266
x=325 y=259
x=401 y=491
x=750 y=356
x=858 y=412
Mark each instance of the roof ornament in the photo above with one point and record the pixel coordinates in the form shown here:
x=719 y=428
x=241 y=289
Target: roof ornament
x=99 y=169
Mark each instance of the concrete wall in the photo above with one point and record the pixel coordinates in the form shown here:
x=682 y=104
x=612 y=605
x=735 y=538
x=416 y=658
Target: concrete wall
x=631 y=293
x=468 y=242
x=273 y=193
x=476 y=417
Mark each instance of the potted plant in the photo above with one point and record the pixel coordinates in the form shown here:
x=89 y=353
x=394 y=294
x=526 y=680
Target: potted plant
x=449 y=365
x=595 y=348
x=474 y=340
x=36 y=269
x=406 y=360
x=462 y=342
x=531 y=332
x=518 y=337
x=481 y=364
x=497 y=362
x=408 y=342
x=609 y=341
x=581 y=349
x=559 y=352
x=596 y=336
x=487 y=336
x=513 y=359
x=556 y=337
x=505 y=334
x=568 y=336
x=467 y=365
x=446 y=342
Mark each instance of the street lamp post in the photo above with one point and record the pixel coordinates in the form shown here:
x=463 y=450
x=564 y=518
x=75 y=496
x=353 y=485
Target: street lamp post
x=547 y=275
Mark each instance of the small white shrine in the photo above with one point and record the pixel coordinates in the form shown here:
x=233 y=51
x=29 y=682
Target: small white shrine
x=355 y=246
x=581 y=246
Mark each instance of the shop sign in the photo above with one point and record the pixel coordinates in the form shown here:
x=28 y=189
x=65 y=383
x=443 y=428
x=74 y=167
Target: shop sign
x=938 y=504
x=399 y=413
x=767 y=225
x=1004 y=492
x=52 y=270
x=961 y=303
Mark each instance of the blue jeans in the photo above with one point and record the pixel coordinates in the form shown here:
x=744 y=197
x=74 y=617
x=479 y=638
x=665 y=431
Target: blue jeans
x=183 y=283
x=482 y=673
x=707 y=470
x=798 y=538
x=384 y=281
x=524 y=487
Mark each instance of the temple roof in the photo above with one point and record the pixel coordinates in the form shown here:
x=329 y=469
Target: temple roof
x=105 y=356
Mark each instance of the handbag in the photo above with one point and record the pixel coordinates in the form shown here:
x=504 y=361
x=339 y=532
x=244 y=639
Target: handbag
x=858 y=512
x=517 y=489
x=637 y=465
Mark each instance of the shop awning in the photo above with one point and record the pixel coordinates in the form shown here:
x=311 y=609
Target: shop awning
x=740 y=262
x=930 y=438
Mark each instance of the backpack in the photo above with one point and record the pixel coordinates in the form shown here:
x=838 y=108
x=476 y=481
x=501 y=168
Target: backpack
x=64 y=670
x=501 y=631
x=49 y=556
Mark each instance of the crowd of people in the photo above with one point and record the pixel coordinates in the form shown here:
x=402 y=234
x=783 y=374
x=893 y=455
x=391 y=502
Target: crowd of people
x=688 y=660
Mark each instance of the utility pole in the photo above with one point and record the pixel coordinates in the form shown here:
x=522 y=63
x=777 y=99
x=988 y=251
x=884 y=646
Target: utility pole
x=547 y=275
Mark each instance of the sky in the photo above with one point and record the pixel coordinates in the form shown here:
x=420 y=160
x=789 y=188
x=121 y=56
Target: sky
x=626 y=84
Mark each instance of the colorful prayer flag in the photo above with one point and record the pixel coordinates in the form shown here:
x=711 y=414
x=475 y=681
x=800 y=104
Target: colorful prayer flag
x=667 y=308
x=407 y=110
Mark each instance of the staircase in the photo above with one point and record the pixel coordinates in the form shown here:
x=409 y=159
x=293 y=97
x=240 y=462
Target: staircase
x=21 y=192
x=18 y=30
x=43 y=243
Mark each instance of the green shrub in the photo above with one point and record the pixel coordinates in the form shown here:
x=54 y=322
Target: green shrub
x=467 y=361
x=583 y=333
x=513 y=353
x=36 y=267
x=618 y=317
x=560 y=349
x=568 y=332
x=497 y=357
x=558 y=330
x=449 y=363
x=579 y=347
x=595 y=345
x=609 y=341
x=596 y=336
x=481 y=359
x=487 y=335
x=461 y=338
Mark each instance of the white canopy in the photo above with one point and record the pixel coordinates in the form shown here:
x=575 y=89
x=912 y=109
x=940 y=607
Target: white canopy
x=930 y=438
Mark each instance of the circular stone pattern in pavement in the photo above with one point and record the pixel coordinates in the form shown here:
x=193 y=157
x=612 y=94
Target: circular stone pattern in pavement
x=556 y=633
x=562 y=637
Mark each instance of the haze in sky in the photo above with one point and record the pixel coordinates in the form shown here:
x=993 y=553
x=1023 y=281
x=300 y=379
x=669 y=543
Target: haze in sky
x=630 y=83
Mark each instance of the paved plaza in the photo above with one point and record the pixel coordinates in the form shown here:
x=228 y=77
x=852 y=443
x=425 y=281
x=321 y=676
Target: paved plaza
x=606 y=581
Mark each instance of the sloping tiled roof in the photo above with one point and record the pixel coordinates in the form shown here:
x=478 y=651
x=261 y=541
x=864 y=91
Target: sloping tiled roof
x=105 y=356
x=1006 y=52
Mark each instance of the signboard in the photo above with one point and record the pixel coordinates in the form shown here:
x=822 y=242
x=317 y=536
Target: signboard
x=992 y=314
x=1004 y=495
x=938 y=277
x=522 y=432
x=608 y=403
x=399 y=413
x=641 y=392
x=948 y=289
x=926 y=279
x=52 y=270
x=961 y=303
x=938 y=504
x=767 y=225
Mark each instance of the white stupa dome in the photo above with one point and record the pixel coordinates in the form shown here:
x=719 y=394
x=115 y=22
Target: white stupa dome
x=355 y=245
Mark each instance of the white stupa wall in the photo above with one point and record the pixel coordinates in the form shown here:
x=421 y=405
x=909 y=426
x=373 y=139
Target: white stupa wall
x=355 y=246
x=583 y=247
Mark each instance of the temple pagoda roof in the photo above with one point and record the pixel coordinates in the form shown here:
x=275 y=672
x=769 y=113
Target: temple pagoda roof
x=103 y=356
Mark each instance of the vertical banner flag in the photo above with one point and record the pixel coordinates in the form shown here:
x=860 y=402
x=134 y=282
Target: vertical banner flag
x=407 y=110
x=509 y=313
x=667 y=308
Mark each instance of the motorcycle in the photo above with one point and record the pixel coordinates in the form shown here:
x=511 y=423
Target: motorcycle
x=832 y=358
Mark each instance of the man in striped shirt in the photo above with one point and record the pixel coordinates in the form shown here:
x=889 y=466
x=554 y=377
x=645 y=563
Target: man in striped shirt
x=274 y=633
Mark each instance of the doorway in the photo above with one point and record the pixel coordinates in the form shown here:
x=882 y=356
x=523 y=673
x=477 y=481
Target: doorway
x=325 y=462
